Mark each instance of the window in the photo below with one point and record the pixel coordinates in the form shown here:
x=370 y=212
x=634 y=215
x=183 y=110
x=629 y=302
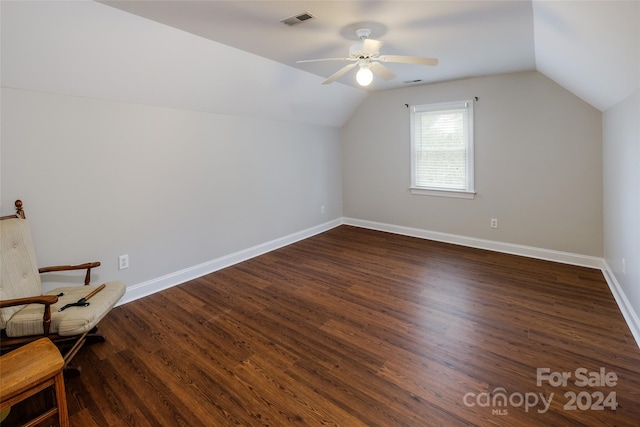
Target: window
x=442 y=149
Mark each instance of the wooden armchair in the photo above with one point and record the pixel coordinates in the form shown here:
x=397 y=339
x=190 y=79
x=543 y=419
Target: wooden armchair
x=27 y=314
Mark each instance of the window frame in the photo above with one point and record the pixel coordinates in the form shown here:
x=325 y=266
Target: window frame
x=469 y=191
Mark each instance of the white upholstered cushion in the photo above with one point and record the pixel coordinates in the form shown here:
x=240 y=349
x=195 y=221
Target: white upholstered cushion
x=73 y=320
x=19 y=276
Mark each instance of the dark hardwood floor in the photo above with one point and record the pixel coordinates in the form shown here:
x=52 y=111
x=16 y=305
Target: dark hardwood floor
x=355 y=327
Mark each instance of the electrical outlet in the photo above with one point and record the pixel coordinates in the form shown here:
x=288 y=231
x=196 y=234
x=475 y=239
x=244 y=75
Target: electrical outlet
x=323 y=210
x=494 y=223
x=123 y=262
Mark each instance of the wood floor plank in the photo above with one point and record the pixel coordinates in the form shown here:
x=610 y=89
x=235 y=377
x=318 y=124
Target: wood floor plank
x=355 y=327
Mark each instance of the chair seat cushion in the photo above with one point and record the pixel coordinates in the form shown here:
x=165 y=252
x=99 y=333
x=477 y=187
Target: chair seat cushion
x=73 y=320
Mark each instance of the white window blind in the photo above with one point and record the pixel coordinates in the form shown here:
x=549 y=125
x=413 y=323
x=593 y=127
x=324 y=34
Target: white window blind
x=442 y=146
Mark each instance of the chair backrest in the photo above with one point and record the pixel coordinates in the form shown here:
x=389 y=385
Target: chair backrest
x=19 y=276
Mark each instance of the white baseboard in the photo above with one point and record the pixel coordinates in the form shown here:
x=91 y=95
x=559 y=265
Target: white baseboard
x=509 y=248
x=156 y=285
x=629 y=314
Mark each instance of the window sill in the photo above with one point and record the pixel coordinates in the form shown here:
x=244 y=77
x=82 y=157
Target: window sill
x=443 y=193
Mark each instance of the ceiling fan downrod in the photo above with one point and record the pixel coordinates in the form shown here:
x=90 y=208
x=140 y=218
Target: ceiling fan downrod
x=363 y=33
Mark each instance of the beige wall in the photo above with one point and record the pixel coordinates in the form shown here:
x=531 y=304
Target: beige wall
x=621 y=154
x=171 y=188
x=123 y=136
x=538 y=164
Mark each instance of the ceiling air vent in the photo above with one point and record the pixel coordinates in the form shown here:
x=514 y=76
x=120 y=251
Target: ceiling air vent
x=297 y=19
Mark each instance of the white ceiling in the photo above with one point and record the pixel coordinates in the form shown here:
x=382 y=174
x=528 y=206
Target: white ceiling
x=590 y=47
x=236 y=57
x=470 y=38
x=87 y=49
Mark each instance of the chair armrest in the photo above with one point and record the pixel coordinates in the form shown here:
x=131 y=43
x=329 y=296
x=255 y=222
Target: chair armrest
x=40 y=299
x=86 y=266
x=47 y=300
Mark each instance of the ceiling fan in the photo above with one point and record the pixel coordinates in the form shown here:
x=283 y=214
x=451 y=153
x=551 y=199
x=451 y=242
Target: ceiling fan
x=366 y=55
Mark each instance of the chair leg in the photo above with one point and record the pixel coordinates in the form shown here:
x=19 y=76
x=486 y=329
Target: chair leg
x=72 y=371
x=94 y=338
x=69 y=352
x=61 y=400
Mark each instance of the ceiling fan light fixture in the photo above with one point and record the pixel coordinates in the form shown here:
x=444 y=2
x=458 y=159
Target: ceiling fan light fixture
x=366 y=56
x=364 y=76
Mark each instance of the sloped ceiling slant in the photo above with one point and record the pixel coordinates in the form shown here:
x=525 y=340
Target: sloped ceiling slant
x=123 y=57
x=592 y=48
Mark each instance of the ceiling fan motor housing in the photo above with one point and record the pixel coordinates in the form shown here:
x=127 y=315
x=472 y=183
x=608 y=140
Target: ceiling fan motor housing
x=356 y=51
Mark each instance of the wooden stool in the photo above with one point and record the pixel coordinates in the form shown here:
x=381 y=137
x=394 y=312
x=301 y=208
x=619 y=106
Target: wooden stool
x=30 y=369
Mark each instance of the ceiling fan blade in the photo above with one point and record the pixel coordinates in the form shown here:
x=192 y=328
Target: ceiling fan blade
x=341 y=72
x=371 y=47
x=408 y=59
x=326 y=59
x=382 y=71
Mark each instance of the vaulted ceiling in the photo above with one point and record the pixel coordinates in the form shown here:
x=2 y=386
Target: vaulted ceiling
x=236 y=57
x=469 y=38
x=590 y=47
